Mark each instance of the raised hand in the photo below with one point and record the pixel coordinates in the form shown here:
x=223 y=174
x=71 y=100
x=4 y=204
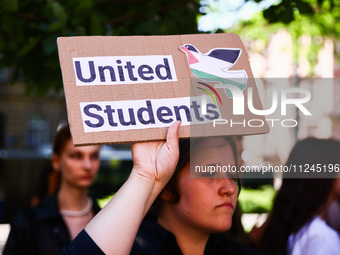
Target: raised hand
x=156 y=161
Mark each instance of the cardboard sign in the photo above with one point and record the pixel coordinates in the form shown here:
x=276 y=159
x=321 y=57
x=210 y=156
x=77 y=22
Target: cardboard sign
x=122 y=89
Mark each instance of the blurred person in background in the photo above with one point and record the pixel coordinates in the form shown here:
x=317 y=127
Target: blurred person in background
x=46 y=228
x=333 y=215
x=297 y=223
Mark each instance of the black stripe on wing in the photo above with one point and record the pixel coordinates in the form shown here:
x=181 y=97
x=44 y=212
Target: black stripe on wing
x=225 y=54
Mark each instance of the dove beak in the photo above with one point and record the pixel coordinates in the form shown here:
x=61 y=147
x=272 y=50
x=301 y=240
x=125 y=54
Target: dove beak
x=183 y=48
x=191 y=58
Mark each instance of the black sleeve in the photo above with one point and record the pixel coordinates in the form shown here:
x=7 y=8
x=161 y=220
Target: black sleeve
x=140 y=247
x=82 y=245
x=20 y=239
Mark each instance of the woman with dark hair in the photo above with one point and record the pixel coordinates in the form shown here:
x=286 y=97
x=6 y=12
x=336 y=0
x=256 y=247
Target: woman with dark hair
x=297 y=223
x=46 y=228
x=189 y=210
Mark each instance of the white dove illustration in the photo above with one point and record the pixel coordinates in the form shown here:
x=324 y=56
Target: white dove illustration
x=215 y=64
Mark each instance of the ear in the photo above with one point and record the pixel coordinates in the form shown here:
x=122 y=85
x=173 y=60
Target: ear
x=55 y=162
x=166 y=194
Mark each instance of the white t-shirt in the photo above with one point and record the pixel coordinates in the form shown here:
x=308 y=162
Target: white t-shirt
x=314 y=238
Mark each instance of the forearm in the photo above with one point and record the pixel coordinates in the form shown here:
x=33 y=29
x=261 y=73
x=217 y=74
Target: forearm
x=115 y=227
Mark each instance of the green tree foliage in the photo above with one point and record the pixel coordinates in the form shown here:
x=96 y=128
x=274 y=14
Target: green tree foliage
x=29 y=29
x=318 y=19
x=315 y=18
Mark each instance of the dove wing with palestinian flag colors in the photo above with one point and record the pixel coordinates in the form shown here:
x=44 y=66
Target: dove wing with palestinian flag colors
x=215 y=65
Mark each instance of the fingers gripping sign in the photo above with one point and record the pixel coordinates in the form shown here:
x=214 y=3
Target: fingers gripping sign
x=156 y=161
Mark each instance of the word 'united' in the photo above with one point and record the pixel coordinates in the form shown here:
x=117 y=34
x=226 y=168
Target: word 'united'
x=111 y=70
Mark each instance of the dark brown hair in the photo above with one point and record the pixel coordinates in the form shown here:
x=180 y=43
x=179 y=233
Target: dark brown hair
x=299 y=200
x=62 y=136
x=50 y=180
